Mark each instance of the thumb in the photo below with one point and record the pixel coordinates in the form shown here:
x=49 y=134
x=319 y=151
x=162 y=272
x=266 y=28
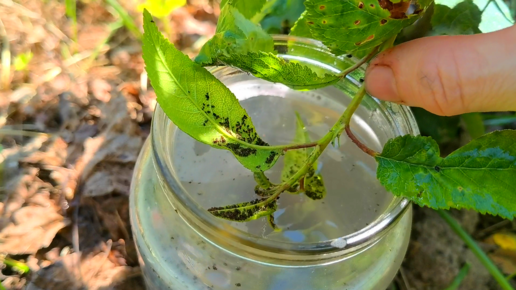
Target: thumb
x=449 y=75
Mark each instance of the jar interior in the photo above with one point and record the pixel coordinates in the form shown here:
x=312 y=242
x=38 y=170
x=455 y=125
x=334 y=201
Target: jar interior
x=354 y=200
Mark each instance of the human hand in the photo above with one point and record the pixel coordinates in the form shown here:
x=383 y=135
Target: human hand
x=449 y=75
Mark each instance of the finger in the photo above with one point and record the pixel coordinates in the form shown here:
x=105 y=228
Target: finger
x=449 y=75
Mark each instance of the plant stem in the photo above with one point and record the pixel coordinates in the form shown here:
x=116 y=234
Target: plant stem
x=126 y=18
x=334 y=132
x=322 y=143
x=459 y=278
x=359 y=144
x=484 y=259
x=359 y=63
x=474 y=124
x=18 y=266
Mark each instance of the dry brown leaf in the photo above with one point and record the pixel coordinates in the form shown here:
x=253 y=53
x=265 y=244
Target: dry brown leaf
x=100 y=89
x=118 y=142
x=93 y=272
x=505 y=260
x=31 y=228
x=52 y=153
x=108 y=178
x=19 y=189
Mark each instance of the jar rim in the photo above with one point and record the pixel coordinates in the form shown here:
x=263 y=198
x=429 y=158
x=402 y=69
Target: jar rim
x=259 y=248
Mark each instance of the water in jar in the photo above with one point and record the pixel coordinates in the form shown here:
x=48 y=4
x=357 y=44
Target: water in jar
x=175 y=257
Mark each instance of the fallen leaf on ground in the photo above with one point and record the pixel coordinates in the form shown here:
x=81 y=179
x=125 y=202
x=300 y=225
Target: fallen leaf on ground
x=92 y=272
x=31 y=228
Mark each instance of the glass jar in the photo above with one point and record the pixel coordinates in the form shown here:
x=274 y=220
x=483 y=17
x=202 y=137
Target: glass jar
x=354 y=238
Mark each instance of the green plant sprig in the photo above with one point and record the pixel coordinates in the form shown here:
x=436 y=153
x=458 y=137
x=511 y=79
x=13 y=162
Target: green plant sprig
x=256 y=211
x=408 y=166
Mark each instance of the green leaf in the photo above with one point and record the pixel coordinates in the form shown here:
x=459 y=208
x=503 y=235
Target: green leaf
x=245 y=211
x=495 y=16
x=272 y=68
x=464 y=18
x=21 y=62
x=243 y=44
x=199 y=104
x=301 y=28
x=478 y=176
x=356 y=26
x=313 y=184
x=247 y=8
x=235 y=35
x=282 y=15
x=161 y=8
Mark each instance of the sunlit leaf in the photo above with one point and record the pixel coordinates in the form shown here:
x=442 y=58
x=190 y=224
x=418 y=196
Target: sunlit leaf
x=199 y=104
x=235 y=35
x=245 y=211
x=357 y=26
x=272 y=68
x=21 y=62
x=312 y=184
x=243 y=44
x=480 y=175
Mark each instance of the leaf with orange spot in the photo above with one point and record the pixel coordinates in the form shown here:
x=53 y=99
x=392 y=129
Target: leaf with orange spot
x=357 y=26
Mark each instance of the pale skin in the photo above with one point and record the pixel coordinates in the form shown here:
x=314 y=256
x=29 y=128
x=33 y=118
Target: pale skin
x=449 y=75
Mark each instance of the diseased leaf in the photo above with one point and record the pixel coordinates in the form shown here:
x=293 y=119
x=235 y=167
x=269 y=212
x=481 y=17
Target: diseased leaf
x=464 y=18
x=199 y=104
x=263 y=185
x=272 y=68
x=357 y=26
x=247 y=8
x=480 y=175
x=312 y=183
x=301 y=28
x=245 y=211
x=272 y=223
x=243 y=44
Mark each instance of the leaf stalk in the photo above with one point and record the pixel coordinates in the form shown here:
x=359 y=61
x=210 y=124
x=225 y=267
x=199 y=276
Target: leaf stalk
x=359 y=63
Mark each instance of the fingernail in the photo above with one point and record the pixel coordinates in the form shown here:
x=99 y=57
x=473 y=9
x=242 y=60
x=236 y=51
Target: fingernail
x=380 y=83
